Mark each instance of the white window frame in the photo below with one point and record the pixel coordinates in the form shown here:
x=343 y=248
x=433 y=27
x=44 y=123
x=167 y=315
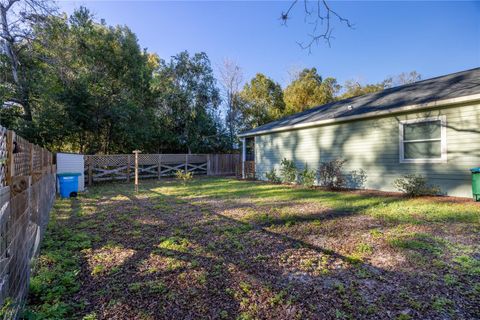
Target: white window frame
x=443 y=140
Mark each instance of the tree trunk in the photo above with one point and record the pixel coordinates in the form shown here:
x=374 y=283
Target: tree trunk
x=8 y=44
x=9 y=48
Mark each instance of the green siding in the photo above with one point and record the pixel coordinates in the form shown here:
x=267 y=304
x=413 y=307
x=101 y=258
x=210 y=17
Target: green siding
x=373 y=145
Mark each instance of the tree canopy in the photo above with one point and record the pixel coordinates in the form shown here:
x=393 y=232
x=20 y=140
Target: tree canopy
x=262 y=101
x=71 y=83
x=309 y=90
x=93 y=89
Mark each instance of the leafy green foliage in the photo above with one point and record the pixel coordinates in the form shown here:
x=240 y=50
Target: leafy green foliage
x=168 y=268
x=288 y=171
x=331 y=175
x=353 y=88
x=468 y=264
x=93 y=89
x=56 y=272
x=184 y=176
x=272 y=176
x=309 y=90
x=307 y=177
x=88 y=87
x=187 y=100
x=262 y=101
x=356 y=179
x=421 y=242
x=415 y=185
x=174 y=243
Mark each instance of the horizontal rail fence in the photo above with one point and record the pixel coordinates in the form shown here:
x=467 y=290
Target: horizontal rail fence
x=27 y=193
x=121 y=166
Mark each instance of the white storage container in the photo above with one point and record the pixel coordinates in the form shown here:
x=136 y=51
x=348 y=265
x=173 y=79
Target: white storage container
x=72 y=162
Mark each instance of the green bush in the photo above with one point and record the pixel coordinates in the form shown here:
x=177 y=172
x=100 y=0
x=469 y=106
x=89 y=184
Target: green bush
x=356 y=179
x=415 y=185
x=272 y=176
x=184 y=176
x=288 y=171
x=331 y=175
x=307 y=177
x=55 y=276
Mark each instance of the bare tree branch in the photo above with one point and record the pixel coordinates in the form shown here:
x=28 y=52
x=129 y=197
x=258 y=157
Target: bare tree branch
x=231 y=78
x=16 y=18
x=322 y=21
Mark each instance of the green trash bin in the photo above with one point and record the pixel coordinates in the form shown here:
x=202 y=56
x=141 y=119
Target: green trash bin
x=476 y=183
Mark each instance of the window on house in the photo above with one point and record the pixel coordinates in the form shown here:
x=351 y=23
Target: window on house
x=423 y=140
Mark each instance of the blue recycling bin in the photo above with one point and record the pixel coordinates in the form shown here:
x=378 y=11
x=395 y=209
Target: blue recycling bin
x=68 y=183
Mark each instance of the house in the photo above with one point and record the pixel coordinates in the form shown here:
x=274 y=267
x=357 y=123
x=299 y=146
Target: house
x=431 y=127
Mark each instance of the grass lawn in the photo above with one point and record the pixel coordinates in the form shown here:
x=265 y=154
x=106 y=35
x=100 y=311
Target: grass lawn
x=227 y=249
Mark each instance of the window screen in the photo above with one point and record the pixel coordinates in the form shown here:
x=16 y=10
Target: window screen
x=422 y=140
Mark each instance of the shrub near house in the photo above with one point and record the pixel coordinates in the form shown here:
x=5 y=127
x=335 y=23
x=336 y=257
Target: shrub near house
x=420 y=128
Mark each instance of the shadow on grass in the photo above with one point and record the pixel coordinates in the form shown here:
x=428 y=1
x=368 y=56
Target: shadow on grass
x=188 y=260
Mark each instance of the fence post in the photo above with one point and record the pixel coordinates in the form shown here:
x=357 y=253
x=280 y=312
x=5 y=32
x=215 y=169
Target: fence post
x=31 y=160
x=215 y=165
x=159 y=166
x=50 y=162
x=136 y=152
x=10 y=160
x=41 y=162
x=128 y=168
x=208 y=165
x=186 y=162
x=90 y=170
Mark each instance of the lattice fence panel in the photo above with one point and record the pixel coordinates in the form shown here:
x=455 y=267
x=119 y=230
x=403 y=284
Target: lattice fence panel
x=173 y=158
x=121 y=167
x=37 y=158
x=109 y=160
x=21 y=154
x=146 y=159
x=197 y=158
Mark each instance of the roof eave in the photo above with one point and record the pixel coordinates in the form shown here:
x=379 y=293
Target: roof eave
x=374 y=114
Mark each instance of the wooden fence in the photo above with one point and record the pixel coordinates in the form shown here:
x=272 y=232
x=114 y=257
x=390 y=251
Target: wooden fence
x=27 y=193
x=121 y=166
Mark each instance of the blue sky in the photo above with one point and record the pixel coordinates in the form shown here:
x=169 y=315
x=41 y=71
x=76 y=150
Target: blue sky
x=433 y=38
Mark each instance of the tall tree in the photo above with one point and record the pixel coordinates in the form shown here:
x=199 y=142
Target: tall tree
x=262 y=101
x=16 y=19
x=231 y=77
x=91 y=88
x=188 y=97
x=403 y=78
x=353 y=88
x=89 y=84
x=309 y=90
